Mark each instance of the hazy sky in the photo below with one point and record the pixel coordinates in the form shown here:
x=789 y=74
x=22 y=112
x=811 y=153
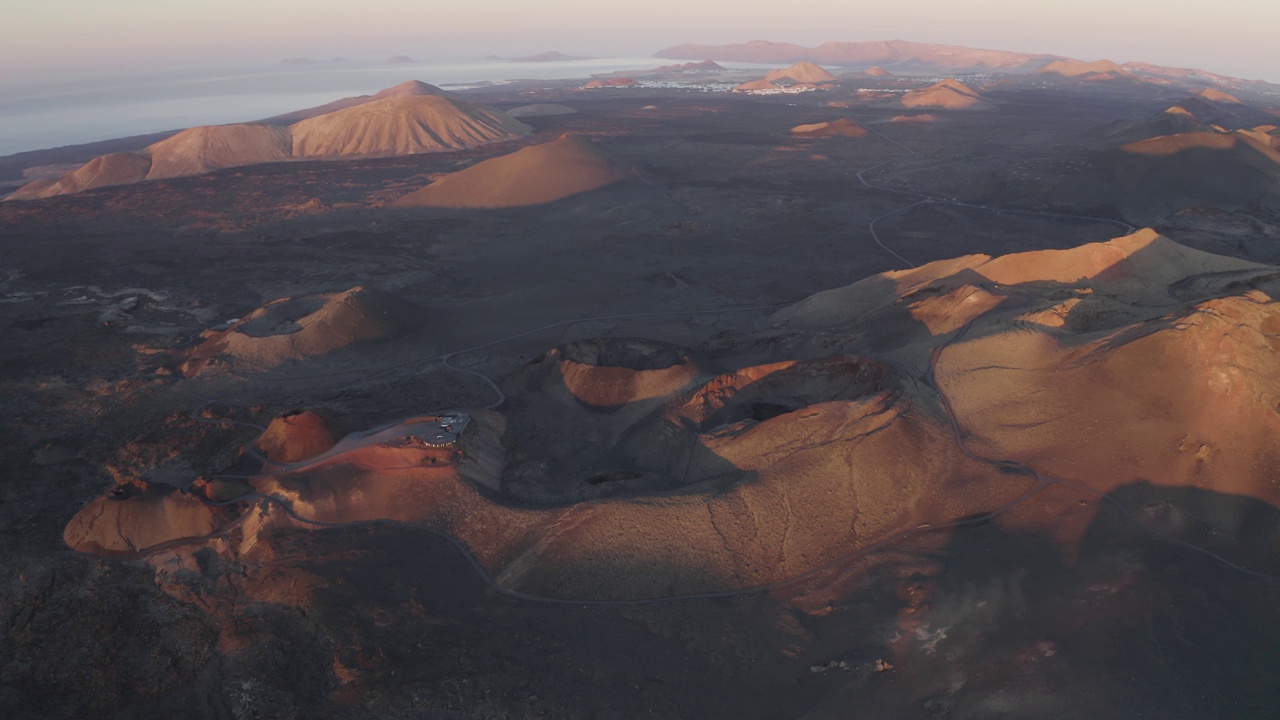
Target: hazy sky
x=66 y=38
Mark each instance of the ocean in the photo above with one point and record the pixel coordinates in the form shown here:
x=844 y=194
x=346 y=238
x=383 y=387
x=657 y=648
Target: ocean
x=39 y=117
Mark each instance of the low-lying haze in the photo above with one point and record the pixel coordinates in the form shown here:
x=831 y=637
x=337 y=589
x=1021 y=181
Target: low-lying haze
x=83 y=37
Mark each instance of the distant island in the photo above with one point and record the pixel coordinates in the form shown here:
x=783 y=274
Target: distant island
x=549 y=56
x=400 y=60
x=311 y=61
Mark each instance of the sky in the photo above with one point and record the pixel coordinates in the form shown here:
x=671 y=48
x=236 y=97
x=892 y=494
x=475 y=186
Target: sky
x=69 y=39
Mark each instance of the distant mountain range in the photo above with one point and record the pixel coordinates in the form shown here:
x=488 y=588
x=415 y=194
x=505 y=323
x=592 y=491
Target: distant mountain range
x=907 y=57
x=893 y=54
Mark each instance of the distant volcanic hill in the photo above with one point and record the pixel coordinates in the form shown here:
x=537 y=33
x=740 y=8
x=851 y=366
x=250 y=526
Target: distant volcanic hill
x=1098 y=70
x=104 y=170
x=761 y=85
x=896 y=54
x=1100 y=74
x=1146 y=180
x=403 y=126
x=1214 y=113
x=1185 y=76
x=802 y=72
x=915 y=118
x=1223 y=170
x=672 y=72
x=613 y=82
x=530 y=176
x=801 y=76
x=404 y=89
x=950 y=94
x=1173 y=121
x=191 y=152
x=843 y=127
x=203 y=149
x=409 y=118
x=1220 y=97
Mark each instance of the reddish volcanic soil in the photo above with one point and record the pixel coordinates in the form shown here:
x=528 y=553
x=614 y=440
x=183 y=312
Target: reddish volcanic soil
x=684 y=404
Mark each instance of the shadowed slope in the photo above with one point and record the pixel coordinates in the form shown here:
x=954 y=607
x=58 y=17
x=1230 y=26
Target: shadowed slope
x=1229 y=171
x=292 y=329
x=1174 y=121
x=1147 y=180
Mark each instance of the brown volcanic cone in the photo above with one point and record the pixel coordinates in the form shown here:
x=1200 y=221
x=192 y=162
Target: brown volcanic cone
x=1134 y=363
x=291 y=329
x=615 y=372
x=843 y=127
x=1176 y=120
x=404 y=89
x=1162 y=373
x=915 y=118
x=403 y=125
x=114 y=169
x=1218 y=96
x=122 y=525
x=802 y=72
x=1223 y=170
x=296 y=436
x=1146 y=180
x=755 y=85
x=950 y=94
x=609 y=83
x=530 y=176
x=202 y=149
x=1098 y=69
x=409 y=88
x=1133 y=373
